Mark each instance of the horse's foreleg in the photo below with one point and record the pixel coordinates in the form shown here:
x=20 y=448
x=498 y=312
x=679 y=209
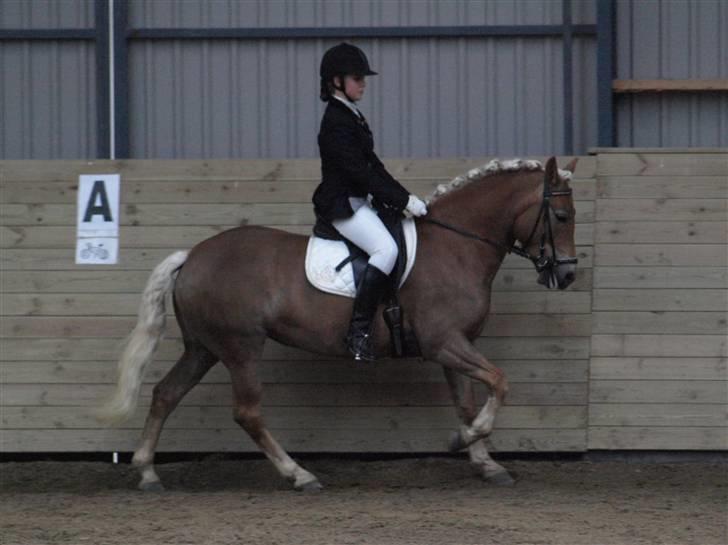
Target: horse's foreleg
x=461 y=390
x=187 y=372
x=460 y=355
x=247 y=392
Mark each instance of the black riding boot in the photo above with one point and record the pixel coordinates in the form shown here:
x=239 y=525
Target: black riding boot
x=370 y=292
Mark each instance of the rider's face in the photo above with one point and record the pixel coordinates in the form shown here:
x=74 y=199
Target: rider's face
x=354 y=86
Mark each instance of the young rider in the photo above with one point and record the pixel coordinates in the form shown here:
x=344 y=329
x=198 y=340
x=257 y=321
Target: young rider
x=352 y=176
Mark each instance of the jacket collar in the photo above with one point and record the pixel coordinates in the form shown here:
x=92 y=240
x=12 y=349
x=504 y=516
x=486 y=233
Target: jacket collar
x=338 y=103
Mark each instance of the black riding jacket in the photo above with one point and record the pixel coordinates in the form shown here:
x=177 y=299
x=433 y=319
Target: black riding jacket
x=349 y=166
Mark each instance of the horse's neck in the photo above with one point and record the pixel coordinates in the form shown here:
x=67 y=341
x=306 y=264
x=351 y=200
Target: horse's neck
x=487 y=208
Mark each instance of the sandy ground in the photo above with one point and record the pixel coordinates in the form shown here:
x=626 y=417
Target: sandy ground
x=412 y=501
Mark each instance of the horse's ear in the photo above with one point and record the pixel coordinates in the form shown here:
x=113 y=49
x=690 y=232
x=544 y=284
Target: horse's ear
x=571 y=167
x=551 y=171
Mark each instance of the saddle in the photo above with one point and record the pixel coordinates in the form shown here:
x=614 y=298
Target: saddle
x=335 y=265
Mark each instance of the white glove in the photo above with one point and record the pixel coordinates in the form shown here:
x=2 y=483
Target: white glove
x=416 y=206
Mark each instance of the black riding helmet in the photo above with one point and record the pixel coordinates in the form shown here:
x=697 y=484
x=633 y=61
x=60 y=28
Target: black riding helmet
x=342 y=60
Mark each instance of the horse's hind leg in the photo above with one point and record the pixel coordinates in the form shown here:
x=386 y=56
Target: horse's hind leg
x=247 y=392
x=461 y=390
x=187 y=372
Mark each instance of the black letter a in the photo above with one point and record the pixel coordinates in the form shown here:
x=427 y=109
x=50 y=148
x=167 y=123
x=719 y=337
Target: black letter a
x=98 y=190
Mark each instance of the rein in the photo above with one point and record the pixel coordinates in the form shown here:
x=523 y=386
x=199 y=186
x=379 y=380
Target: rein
x=543 y=262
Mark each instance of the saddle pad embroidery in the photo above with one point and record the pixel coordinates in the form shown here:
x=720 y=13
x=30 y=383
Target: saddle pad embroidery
x=322 y=257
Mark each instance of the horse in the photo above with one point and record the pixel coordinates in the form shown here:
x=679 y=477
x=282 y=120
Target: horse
x=236 y=289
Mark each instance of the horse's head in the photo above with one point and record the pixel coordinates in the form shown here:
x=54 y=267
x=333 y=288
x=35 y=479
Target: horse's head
x=546 y=228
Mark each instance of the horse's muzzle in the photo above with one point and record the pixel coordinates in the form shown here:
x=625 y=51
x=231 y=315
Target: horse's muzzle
x=558 y=276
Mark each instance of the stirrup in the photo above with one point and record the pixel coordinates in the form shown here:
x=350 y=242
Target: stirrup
x=360 y=348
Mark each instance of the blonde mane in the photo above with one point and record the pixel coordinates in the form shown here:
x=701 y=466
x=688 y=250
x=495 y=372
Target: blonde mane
x=490 y=169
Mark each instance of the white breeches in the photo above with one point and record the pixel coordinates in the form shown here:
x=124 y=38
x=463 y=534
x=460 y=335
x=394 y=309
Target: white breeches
x=367 y=231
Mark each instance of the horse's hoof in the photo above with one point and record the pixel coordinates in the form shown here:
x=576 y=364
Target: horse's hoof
x=456 y=443
x=153 y=486
x=310 y=487
x=501 y=478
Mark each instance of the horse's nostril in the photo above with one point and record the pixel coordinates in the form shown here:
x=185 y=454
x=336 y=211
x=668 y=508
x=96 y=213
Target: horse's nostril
x=570 y=276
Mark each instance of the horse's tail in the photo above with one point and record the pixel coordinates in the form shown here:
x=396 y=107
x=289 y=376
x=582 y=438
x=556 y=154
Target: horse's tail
x=142 y=342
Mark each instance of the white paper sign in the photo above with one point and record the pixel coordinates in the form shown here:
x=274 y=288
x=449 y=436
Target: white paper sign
x=97 y=250
x=97 y=232
x=98 y=205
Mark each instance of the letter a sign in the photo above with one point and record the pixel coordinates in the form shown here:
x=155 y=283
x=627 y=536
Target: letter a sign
x=97 y=236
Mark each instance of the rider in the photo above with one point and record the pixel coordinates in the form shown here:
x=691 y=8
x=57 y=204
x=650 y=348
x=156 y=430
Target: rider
x=353 y=177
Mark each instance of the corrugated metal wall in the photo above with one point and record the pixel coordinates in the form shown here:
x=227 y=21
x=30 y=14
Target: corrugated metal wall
x=434 y=97
x=672 y=39
x=47 y=88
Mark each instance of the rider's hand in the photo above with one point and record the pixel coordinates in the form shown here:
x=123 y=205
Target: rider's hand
x=416 y=206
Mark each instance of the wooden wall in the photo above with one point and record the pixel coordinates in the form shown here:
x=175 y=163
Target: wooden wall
x=62 y=323
x=653 y=336
x=658 y=374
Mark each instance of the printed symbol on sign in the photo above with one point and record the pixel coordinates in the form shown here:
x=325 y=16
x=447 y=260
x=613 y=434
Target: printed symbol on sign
x=98 y=252
x=98 y=193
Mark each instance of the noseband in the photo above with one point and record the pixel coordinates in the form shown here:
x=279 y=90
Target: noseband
x=542 y=262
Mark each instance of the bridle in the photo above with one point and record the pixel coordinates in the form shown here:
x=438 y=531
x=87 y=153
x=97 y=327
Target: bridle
x=542 y=262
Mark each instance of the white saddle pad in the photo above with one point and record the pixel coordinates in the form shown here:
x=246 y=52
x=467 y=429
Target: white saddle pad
x=322 y=257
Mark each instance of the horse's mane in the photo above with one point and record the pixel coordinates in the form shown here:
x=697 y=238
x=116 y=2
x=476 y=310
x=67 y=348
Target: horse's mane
x=492 y=168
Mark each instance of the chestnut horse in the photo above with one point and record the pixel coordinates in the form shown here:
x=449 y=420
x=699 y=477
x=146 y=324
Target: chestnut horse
x=234 y=290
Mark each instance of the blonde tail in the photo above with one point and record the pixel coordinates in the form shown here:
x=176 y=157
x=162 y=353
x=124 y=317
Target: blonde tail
x=143 y=341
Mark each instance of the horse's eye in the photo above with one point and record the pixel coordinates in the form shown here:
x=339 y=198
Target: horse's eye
x=561 y=215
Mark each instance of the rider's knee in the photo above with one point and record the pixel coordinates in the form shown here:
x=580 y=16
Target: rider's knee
x=386 y=255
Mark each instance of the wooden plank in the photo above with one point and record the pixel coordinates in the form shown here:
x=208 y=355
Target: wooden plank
x=660 y=322
x=505 y=325
x=665 y=255
x=668 y=85
x=685 y=368
x=669 y=346
x=118 y=281
x=661 y=300
x=310 y=372
x=695 y=209
x=363 y=419
x=179 y=237
x=658 y=415
x=293 y=440
x=78 y=281
x=666 y=163
x=127 y=304
x=173 y=214
x=658 y=391
x=506 y=348
x=414 y=394
x=247 y=169
x=646 y=149
x=663 y=187
x=50 y=259
x=130 y=237
x=195 y=214
x=158 y=169
x=196 y=191
x=143 y=259
x=668 y=438
x=662 y=232
x=661 y=277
